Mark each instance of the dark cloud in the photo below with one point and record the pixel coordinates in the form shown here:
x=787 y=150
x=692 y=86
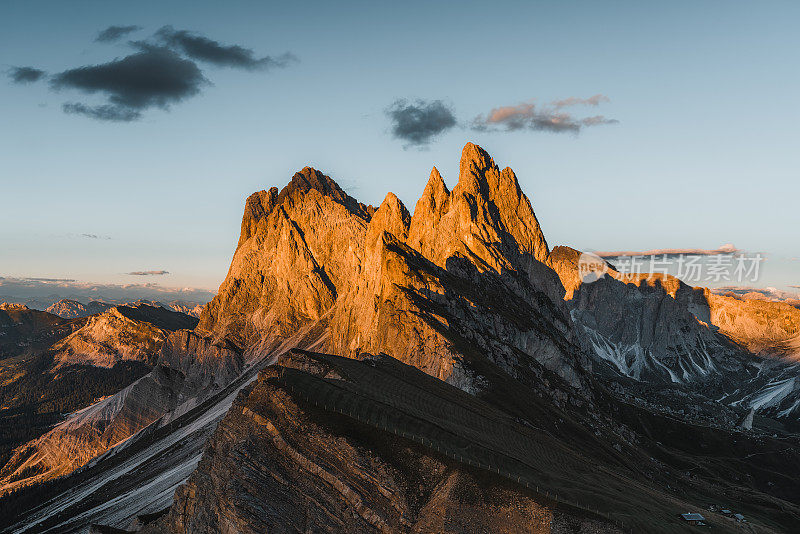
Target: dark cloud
x=153 y=77
x=25 y=74
x=419 y=122
x=113 y=33
x=105 y=112
x=549 y=118
x=148 y=273
x=202 y=48
x=157 y=74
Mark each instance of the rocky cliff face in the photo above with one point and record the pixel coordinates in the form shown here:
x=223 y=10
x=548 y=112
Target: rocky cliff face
x=771 y=329
x=658 y=330
x=316 y=265
x=68 y=309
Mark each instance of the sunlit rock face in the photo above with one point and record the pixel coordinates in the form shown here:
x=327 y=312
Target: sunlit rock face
x=121 y=333
x=314 y=263
x=763 y=327
x=68 y=309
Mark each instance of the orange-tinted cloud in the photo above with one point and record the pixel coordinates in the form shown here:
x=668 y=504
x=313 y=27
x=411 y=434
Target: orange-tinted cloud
x=548 y=118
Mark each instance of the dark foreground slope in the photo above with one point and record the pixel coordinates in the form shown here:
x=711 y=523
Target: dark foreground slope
x=334 y=444
x=328 y=444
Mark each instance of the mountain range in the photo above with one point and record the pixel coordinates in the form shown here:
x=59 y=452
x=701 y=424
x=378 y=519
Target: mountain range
x=69 y=309
x=367 y=369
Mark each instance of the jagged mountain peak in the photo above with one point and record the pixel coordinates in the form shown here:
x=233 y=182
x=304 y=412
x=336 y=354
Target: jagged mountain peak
x=430 y=207
x=309 y=179
x=308 y=182
x=391 y=216
x=480 y=176
x=486 y=218
x=366 y=280
x=474 y=159
x=436 y=182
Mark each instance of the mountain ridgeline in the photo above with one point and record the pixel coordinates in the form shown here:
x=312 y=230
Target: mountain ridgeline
x=368 y=369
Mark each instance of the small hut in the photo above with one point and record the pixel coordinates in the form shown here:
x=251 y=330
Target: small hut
x=693 y=518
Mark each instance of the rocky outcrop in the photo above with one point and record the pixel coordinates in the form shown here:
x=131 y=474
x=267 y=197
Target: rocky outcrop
x=121 y=333
x=207 y=366
x=658 y=330
x=188 y=370
x=314 y=264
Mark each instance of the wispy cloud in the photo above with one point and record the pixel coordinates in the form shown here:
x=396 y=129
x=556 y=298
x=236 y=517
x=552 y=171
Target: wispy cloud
x=148 y=273
x=760 y=293
x=42 y=292
x=44 y=279
x=95 y=236
x=106 y=112
x=201 y=48
x=546 y=118
x=727 y=248
x=25 y=74
x=595 y=101
x=418 y=122
x=114 y=33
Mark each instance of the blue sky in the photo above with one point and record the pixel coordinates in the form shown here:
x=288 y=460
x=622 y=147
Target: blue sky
x=704 y=152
